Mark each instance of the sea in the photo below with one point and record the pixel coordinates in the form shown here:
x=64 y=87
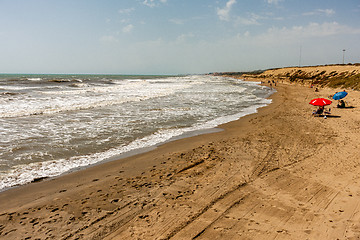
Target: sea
x=53 y=124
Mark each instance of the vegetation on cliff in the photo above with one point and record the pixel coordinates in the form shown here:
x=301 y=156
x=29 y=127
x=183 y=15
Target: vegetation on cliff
x=334 y=76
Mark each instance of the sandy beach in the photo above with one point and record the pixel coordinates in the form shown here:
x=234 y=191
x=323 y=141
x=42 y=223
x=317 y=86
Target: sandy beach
x=278 y=174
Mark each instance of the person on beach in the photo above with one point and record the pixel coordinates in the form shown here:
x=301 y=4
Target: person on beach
x=319 y=111
x=341 y=104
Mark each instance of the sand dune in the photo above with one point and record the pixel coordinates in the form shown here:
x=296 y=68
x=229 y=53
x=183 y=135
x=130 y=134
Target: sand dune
x=334 y=76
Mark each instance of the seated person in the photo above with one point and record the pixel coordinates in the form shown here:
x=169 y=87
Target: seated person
x=319 y=111
x=341 y=104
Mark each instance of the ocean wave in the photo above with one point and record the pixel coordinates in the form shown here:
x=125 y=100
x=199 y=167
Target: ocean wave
x=26 y=173
x=8 y=93
x=34 y=79
x=125 y=116
x=83 y=96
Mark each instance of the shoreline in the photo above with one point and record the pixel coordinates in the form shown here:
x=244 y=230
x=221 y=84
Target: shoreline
x=63 y=162
x=276 y=173
x=144 y=150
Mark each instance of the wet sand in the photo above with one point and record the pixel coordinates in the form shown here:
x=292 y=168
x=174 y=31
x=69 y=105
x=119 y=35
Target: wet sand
x=280 y=173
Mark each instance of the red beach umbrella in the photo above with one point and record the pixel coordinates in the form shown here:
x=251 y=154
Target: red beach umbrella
x=320 y=102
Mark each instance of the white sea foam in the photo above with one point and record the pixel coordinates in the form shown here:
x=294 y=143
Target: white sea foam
x=26 y=173
x=50 y=102
x=34 y=79
x=97 y=121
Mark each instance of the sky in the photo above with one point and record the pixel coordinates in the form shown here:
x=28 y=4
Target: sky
x=175 y=36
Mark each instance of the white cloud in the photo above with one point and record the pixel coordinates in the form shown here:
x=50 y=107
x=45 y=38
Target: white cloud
x=251 y=20
x=327 y=12
x=128 y=28
x=152 y=3
x=310 y=31
x=223 y=13
x=177 y=21
x=149 y=3
x=278 y=18
x=273 y=1
x=184 y=37
x=126 y=10
x=245 y=35
x=321 y=12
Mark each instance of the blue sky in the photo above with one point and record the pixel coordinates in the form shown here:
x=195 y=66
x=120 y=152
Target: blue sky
x=175 y=36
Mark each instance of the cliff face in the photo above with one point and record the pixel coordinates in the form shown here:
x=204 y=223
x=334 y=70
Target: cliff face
x=337 y=76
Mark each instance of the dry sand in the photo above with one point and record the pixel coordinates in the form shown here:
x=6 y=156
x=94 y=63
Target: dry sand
x=277 y=174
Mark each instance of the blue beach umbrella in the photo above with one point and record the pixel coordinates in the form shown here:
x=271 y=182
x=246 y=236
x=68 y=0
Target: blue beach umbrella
x=339 y=95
